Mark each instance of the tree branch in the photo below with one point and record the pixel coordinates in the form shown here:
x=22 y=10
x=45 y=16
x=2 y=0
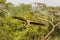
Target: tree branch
x=49 y=33
x=54 y=26
x=51 y=17
x=57 y=24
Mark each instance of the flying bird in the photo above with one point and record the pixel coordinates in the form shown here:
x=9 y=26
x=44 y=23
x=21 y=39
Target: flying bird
x=28 y=21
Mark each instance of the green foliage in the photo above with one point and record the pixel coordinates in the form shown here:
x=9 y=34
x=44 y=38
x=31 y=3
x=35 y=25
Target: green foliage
x=13 y=29
x=2 y=1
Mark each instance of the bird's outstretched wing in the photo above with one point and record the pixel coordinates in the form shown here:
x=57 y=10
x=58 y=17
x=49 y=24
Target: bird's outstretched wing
x=19 y=18
x=36 y=23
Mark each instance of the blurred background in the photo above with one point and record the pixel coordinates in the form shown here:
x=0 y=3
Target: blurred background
x=46 y=12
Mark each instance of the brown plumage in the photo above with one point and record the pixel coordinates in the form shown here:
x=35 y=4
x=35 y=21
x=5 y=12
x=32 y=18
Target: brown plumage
x=28 y=21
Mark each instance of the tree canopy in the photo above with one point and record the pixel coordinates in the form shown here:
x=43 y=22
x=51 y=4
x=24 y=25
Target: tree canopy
x=24 y=22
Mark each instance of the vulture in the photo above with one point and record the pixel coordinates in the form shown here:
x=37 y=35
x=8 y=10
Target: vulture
x=28 y=21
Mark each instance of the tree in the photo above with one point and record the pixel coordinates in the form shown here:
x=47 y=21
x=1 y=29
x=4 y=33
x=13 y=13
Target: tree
x=3 y=8
x=51 y=20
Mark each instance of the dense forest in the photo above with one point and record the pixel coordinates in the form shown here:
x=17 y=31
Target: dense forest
x=27 y=22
